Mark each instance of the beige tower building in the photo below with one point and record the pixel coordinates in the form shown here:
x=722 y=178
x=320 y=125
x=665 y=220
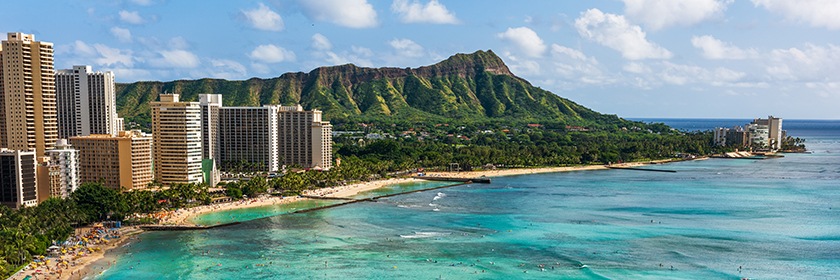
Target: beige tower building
x=122 y=161
x=176 y=130
x=28 y=114
x=304 y=139
x=86 y=102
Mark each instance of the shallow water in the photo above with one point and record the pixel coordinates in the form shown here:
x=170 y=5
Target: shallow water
x=775 y=219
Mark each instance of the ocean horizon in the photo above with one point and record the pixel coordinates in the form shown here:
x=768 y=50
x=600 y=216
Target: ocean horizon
x=712 y=219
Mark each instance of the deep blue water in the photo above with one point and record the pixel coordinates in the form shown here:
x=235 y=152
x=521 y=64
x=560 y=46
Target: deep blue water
x=773 y=219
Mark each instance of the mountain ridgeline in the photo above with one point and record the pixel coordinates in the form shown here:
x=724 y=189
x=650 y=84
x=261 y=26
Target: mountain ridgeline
x=477 y=86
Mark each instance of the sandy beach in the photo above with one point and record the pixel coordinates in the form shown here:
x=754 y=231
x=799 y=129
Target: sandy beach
x=84 y=266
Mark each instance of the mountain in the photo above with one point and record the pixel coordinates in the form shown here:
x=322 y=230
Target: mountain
x=465 y=86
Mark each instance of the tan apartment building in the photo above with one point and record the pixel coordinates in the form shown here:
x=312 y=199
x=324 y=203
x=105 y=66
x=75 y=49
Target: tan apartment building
x=121 y=162
x=49 y=180
x=176 y=130
x=304 y=139
x=28 y=113
x=18 y=183
x=86 y=102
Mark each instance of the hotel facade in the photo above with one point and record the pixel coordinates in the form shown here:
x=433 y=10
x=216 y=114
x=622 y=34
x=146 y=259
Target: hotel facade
x=176 y=130
x=86 y=102
x=18 y=182
x=28 y=113
x=121 y=162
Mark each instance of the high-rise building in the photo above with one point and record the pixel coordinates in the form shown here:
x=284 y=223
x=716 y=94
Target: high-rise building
x=247 y=138
x=176 y=129
x=210 y=105
x=67 y=160
x=28 y=114
x=304 y=139
x=18 y=184
x=122 y=161
x=86 y=102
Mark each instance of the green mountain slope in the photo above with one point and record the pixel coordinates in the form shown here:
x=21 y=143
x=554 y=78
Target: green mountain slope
x=466 y=86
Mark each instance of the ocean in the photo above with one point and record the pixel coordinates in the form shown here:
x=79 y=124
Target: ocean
x=712 y=219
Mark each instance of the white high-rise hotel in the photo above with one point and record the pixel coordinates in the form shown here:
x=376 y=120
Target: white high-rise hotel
x=86 y=102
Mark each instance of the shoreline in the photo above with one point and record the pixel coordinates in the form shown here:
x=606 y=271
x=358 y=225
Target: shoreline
x=86 y=266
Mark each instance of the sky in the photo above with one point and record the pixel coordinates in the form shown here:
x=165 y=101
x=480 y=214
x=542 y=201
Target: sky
x=633 y=58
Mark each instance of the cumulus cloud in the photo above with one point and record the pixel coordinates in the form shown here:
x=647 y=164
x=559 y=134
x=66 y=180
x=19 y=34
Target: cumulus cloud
x=817 y=13
x=525 y=39
x=103 y=55
x=131 y=17
x=227 y=69
x=176 y=59
x=577 y=67
x=271 y=54
x=679 y=74
x=416 y=12
x=615 y=32
x=263 y=18
x=321 y=42
x=406 y=48
x=810 y=63
x=716 y=49
x=658 y=14
x=122 y=34
x=347 y=13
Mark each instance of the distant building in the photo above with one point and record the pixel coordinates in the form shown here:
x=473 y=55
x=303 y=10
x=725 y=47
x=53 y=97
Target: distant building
x=121 y=162
x=763 y=134
x=18 y=183
x=28 y=117
x=304 y=139
x=176 y=129
x=67 y=160
x=775 y=134
x=248 y=136
x=86 y=102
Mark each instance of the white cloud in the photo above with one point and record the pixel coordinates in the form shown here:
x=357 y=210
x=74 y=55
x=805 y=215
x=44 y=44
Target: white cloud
x=122 y=34
x=348 y=13
x=613 y=31
x=271 y=54
x=678 y=74
x=263 y=18
x=716 y=49
x=103 y=55
x=176 y=59
x=406 y=48
x=131 y=17
x=526 y=39
x=416 y=12
x=321 y=42
x=811 y=63
x=577 y=67
x=523 y=67
x=358 y=56
x=658 y=14
x=178 y=43
x=226 y=69
x=817 y=13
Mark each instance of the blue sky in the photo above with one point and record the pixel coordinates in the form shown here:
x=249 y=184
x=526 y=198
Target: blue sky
x=634 y=58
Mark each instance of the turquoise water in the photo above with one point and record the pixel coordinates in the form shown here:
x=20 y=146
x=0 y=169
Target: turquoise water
x=775 y=219
x=247 y=214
